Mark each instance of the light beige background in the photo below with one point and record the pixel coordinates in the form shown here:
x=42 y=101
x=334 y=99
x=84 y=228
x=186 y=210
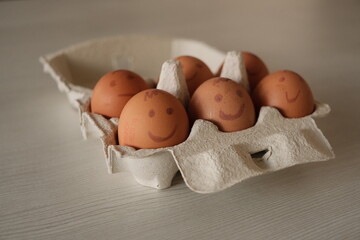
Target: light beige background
x=54 y=185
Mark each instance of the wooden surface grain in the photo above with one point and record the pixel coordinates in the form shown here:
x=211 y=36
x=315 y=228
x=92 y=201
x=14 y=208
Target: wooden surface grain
x=54 y=185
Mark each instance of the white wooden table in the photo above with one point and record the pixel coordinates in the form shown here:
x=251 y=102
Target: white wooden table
x=54 y=185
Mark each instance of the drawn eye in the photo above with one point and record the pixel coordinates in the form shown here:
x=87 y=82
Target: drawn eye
x=169 y=111
x=239 y=93
x=218 y=97
x=113 y=83
x=151 y=113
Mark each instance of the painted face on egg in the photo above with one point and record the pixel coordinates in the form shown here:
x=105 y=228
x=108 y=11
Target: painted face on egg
x=114 y=90
x=153 y=119
x=195 y=72
x=223 y=102
x=287 y=91
x=255 y=68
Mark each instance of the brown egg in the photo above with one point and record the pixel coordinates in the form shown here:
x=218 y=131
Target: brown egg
x=195 y=71
x=153 y=119
x=255 y=69
x=113 y=90
x=223 y=102
x=287 y=91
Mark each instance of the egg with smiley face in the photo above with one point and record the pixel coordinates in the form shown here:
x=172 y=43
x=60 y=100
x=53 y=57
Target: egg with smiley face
x=286 y=91
x=195 y=72
x=255 y=68
x=223 y=102
x=113 y=90
x=153 y=119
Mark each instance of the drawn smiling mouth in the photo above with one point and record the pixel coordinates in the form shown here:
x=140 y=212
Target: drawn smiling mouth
x=290 y=100
x=162 y=139
x=237 y=115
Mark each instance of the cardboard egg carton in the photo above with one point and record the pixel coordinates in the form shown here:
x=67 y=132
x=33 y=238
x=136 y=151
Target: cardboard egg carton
x=209 y=160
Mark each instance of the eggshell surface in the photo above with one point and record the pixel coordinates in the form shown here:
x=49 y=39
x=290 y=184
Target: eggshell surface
x=287 y=91
x=223 y=102
x=255 y=68
x=153 y=118
x=114 y=90
x=195 y=72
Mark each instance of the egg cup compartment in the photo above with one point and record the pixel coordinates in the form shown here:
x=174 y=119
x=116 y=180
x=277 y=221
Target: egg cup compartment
x=209 y=160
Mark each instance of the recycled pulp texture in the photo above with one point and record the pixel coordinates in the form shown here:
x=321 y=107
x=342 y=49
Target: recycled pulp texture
x=209 y=160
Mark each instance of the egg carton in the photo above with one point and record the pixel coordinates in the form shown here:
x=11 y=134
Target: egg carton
x=209 y=160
